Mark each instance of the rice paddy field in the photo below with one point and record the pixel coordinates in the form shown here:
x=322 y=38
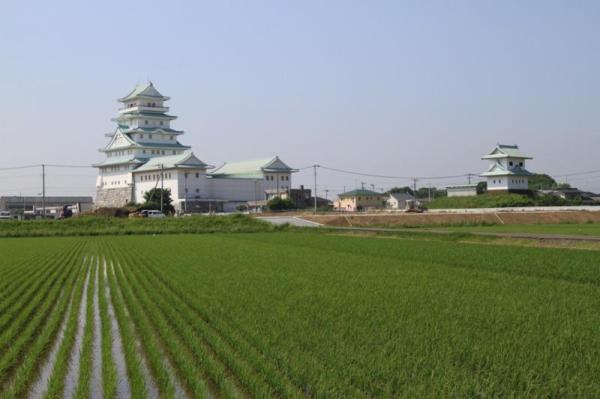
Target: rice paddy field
x=295 y=315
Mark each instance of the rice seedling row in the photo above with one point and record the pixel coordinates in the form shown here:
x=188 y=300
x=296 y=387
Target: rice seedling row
x=292 y=315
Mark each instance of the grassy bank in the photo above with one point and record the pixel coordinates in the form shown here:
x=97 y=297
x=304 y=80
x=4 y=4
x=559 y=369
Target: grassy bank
x=93 y=226
x=585 y=229
x=499 y=201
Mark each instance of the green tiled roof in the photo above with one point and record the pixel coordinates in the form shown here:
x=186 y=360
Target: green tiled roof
x=144 y=90
x=131 y=115
x=162 y=145
x=360 y=192
x=254 y=169
x=120 y=161
x=499 y=170
x=506 y=151
x=187 y=159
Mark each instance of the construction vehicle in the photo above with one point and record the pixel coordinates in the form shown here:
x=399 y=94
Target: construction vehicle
x=413 y=206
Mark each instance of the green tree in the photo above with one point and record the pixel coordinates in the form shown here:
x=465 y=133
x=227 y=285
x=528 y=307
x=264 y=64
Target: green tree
x=481 y=187
x=401 y=190
x=541 y=182
x=279 y=204
x=423 y=192
x=152 y=200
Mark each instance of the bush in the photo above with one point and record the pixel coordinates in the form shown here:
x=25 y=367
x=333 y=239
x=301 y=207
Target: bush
x=279 y=204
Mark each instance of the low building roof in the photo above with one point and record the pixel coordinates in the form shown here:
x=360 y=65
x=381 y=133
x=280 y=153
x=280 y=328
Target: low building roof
x=506 y=151
x=461 y=186
x=360 y=192
x=254 y=169
x=186 y=159
x=49 y=199
x=402 y=196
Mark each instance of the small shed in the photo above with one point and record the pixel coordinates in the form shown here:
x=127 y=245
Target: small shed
x=464 y=190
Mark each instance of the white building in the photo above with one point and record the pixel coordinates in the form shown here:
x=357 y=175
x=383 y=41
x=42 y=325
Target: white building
x=144 y=153
x=507 y=171
x=398 y=200
x=462 y=190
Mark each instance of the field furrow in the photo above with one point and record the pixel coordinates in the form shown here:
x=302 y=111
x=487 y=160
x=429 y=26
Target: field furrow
x=295 y=315
x=114 y=369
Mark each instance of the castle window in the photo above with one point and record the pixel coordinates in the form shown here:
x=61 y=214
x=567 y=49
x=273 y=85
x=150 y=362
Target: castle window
x=197 y=190
x=174 y=152
x=172 y=137
x=143 y=151
x=161 y=123
x=150 y=137
x=197 y=175
x=146 y=122
x=511 y=163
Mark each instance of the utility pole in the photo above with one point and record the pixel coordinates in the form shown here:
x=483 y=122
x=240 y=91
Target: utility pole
x=469 y=176
x=162 y=186
x=415 y=180
x=429 y=192
x=326 y=194
x=315 y=194
x=362 y=185
x=43 y=191
x=372 y=187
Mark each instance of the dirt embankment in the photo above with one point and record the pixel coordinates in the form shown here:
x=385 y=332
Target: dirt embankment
x=437 y=219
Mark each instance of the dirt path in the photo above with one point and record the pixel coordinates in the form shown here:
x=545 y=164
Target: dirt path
x=531 y=236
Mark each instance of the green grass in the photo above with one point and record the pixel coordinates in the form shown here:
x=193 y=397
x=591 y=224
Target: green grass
x=584 y=229
x=299 y=314
x=94 y=226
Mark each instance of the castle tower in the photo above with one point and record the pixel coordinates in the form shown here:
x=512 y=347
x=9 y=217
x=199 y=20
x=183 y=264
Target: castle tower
x=507 y=171
x=143 y=132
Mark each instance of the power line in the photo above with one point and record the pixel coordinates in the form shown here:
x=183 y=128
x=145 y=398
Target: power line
x=21 y=167
x=589 y=172
x=395 y=177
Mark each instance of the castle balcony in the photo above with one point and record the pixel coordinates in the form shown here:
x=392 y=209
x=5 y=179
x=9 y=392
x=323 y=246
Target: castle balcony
x=143 y=108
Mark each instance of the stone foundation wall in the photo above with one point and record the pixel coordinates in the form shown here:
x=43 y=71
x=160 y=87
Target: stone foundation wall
x=113 y=197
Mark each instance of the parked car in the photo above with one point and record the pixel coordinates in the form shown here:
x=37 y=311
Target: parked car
x=5 y=215
x=152 y=214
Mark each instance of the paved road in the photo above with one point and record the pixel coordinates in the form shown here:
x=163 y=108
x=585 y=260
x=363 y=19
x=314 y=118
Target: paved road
x=296 y=221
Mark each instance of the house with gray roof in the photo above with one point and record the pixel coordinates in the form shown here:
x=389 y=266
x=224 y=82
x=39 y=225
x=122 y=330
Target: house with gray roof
x=398 y=200
x=144 y=152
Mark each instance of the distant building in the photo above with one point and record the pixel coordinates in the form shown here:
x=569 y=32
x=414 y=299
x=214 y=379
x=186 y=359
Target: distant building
x=572 y=194
x=464 y=190
x=507 y=171
x=33 y=204
x=398 y=200
x=359 y=200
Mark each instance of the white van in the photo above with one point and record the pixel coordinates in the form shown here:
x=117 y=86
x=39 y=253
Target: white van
x=4 y=215
x=152 y=214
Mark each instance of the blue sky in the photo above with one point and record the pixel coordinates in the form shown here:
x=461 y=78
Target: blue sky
x=397 y=88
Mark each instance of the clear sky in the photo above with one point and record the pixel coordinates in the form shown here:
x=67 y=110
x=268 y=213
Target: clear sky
x=385 y=87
